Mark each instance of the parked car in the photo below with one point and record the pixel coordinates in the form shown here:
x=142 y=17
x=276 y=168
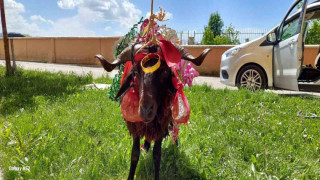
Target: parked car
x=276 y=59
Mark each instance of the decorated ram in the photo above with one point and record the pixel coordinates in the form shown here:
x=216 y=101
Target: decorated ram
x=152 y=98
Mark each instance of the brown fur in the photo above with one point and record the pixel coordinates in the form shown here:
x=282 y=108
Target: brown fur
x=155 y=99
x=156 y=129
x=163 y=96
x=156 y=93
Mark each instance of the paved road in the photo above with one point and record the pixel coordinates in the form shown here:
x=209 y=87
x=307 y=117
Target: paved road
x=79 y=70
x=214 y=82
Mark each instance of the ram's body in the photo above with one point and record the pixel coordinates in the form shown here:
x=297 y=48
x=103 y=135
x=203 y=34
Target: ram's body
x=156 y=93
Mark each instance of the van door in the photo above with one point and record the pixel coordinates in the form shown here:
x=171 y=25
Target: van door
x=288 y=52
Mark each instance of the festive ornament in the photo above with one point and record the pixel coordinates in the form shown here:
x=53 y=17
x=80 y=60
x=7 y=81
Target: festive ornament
x=124 y=43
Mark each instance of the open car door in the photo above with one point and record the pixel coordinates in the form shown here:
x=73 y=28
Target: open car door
x=288 y=51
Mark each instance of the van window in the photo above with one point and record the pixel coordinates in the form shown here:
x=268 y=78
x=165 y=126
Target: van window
x=295 y=10
x=290 y=29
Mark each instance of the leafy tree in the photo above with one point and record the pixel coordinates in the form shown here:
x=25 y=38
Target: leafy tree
x=232 y=35
x=299 y=5
x=218 y=36
x=220 y=40
x=313 y=36
x=208 y=36
x=216 y=24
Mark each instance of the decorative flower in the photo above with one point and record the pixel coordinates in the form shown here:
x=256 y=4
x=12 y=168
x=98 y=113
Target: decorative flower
x=141 y=38
x=187 y=72
x=144 y=25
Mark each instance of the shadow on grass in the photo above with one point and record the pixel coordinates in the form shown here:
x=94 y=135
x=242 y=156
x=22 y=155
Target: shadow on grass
x=22 y=90
x=175 y=164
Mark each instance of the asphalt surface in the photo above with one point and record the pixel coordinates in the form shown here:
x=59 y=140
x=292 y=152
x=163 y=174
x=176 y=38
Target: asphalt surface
x=64 y=68
x=99 y=71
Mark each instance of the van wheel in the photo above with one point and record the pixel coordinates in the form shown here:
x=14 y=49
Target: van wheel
x=251 y=77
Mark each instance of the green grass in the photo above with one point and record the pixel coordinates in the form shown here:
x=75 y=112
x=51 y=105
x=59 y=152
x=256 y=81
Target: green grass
x=49 y=123
x=103 y=80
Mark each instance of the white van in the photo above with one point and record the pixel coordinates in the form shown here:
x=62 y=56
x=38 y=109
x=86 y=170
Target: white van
x=276 y=59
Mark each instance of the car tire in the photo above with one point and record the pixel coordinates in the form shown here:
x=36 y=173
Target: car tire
x=251 y=77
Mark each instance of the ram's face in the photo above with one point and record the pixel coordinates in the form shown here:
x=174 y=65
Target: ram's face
x=153 y=88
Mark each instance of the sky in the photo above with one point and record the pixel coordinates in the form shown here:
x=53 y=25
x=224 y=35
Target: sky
x=63 y=18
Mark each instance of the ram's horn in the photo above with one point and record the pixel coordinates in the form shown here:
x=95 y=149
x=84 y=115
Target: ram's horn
x=187 y=56
x=121 y=59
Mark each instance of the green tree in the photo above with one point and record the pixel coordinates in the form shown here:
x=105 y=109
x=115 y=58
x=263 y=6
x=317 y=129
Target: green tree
x=232 y=35
x=208 y=36
x=313 y=36
x=227 y=36
x=299 y=5
x=220 y=40
x=216 y=24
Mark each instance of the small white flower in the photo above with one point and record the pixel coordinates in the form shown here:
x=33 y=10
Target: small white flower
x=305 y=135
x=12 y=143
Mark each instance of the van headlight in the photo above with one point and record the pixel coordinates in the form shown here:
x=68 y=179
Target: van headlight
x=232 y=52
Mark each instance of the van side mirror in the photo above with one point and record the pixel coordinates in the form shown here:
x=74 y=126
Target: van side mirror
x=272 y=37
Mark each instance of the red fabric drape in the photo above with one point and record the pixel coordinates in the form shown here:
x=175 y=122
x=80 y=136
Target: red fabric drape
x=180 y=106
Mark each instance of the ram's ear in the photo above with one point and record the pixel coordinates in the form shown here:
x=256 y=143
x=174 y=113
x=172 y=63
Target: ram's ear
x=126 y=85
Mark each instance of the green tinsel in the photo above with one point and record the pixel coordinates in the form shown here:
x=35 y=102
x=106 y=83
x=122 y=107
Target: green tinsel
x=124 y=43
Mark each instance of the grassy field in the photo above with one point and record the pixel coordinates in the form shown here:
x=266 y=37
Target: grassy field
x=49 y=123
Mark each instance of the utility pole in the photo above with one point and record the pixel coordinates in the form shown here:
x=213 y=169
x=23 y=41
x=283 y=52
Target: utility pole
x=5 y=38
x=14 y=65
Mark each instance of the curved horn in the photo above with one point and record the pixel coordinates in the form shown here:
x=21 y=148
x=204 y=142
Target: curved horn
x=121 y=59
x=187 y=56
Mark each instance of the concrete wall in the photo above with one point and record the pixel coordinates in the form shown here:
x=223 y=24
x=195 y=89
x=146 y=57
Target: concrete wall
x=310 y=54
x=62 y=50
x=211 y=65
x=81 y=51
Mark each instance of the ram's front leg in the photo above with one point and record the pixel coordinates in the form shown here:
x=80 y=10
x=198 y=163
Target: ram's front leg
x=157 y=158
x=135 y=153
